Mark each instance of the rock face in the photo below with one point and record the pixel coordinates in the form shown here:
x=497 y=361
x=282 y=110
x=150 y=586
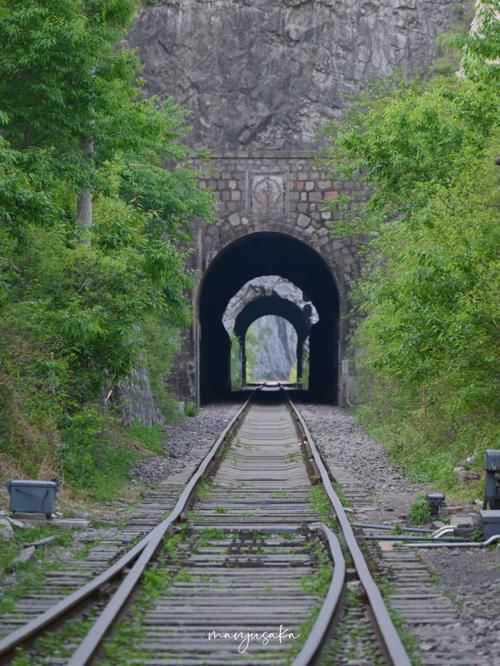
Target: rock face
x=267 y=74
x=275 y=351
x=136 y=399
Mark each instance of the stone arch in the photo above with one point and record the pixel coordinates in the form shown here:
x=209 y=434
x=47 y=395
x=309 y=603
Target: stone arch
x=227 y=231
x=272 y=305
x=242 y=257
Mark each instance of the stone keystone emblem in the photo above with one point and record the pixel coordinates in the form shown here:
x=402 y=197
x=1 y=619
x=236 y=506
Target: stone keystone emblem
x=268 y=194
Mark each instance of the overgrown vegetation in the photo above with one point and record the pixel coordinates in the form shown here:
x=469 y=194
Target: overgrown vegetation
x=92 y=226
x=124 y=642
x=321 y=504
x=428 y=298
x=353 y=637
x=420 y=511
x=30 y=575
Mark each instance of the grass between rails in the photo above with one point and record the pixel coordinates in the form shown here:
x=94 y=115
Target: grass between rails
x=322 y=505
x=353 y=637
x=29 y=576
x=123 y=644
x=57 y=644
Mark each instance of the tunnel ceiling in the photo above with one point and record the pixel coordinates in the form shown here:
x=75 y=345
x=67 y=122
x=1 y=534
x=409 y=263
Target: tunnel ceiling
x=268 y=254
x=272 y=305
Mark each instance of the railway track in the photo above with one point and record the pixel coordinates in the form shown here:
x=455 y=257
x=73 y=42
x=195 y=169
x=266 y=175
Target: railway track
x=244 y=569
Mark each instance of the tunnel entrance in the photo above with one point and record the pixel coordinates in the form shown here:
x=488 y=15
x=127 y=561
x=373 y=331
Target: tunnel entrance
x=256 y=255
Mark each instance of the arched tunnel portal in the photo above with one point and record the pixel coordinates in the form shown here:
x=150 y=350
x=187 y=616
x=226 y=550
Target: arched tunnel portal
x=272 y=305
x=267 y=253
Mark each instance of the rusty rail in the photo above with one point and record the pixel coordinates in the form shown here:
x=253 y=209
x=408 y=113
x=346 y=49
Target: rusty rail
x=388 y=634
x=140 y=554
x=312 y=647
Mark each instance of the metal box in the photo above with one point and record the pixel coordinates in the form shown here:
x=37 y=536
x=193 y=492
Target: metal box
x=490 y=523
x=33 y=496
x=492 y=484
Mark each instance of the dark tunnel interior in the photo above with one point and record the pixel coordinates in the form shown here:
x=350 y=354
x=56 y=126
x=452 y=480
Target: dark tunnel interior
x=250 y=257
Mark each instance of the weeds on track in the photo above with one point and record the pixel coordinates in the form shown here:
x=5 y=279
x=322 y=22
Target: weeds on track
x=29 y=576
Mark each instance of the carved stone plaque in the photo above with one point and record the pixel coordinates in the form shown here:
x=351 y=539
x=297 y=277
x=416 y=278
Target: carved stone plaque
x=268 y=193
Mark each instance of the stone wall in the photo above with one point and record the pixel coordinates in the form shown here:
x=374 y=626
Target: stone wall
x=281 y=193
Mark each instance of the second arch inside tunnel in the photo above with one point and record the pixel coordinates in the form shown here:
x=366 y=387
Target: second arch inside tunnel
x=261 y=254
x=269 y=332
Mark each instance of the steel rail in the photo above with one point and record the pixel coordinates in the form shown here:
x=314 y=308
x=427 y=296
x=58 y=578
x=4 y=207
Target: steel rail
x=401 y=538
x=457 y=544
x=324 y=621
x=403 y=528
x=136 y=554
x=92 y=641
x=388 y=634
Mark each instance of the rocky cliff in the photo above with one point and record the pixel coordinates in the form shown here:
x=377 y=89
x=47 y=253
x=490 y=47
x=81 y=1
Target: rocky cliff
x=261 y=73
x=275 y=349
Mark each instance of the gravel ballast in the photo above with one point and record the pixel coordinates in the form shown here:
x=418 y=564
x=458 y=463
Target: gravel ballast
x=186 y=443
x=469 y=578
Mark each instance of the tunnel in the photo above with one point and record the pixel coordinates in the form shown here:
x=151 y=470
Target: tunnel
x=267 y=253
x=272 y=305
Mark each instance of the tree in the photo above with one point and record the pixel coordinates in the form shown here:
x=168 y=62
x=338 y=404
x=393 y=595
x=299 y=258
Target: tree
x=71 y=312
x=429 y=298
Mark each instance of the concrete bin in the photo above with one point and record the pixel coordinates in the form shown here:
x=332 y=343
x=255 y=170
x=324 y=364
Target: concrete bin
x=32 y=496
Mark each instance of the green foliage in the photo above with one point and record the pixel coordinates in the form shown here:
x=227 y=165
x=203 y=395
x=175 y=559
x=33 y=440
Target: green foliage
x=408 y=144
x=94 y=459
x=190 y=409
x=420 y=512
x=317 y=583
x=481 y=48
x=321 y=504
x=158 y=359
x=77 y=316
x=208 y=534
x=56 y=644
x=235 y=362
x=151 y=438
x=254 y=344
x=425 y=349
x=29 y=575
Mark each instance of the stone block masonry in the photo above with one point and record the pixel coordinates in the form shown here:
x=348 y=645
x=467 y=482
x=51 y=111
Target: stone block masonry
x=282 y=193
